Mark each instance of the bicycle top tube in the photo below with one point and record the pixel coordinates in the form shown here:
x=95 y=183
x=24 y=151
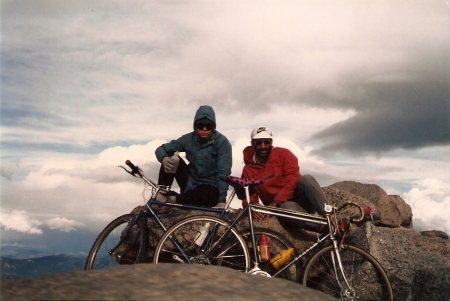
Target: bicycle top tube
x=286 y=213
x=220 y=211
x=246 y=184
x=137 y=172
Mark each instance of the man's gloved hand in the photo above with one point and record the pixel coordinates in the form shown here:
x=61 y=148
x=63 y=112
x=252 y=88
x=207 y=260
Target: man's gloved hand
x=168 y=164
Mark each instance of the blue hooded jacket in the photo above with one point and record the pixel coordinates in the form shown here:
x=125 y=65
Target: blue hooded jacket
x=208 y=161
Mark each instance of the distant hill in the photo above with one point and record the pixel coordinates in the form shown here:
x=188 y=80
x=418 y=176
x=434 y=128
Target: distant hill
x=38 y=267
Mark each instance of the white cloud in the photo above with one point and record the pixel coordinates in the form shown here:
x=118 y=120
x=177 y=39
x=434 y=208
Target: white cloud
x=63 y=224
x=137 y=153
x=430 y=203
x=19 y=220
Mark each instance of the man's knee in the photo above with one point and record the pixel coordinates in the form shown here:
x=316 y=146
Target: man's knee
x=307 y=179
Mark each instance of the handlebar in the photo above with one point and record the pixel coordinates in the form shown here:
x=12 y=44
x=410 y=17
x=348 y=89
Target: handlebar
x=362 y=212
x=138 y=173
x=134 y=169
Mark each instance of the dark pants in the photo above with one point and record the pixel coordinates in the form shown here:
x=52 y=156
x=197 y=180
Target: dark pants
x=202 y=195
x=308 y=198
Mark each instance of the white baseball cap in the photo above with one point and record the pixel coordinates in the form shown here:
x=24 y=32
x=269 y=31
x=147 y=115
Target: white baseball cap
x=262 y=132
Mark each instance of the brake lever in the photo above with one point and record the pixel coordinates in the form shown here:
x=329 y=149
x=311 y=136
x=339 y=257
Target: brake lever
x=130 y=172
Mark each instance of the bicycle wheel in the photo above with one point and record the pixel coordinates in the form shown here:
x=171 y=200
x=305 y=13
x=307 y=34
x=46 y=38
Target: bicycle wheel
x=365 y=275
x=180 y=244
x=106 y=253
x=277 y=243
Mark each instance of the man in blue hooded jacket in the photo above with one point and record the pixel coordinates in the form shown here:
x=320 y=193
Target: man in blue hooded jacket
x=209 y=156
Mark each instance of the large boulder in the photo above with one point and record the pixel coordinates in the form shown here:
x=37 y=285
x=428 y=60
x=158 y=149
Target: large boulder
x=392 y=209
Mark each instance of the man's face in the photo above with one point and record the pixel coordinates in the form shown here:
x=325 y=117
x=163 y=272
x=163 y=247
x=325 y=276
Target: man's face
x=262 y=147
x=203 y=130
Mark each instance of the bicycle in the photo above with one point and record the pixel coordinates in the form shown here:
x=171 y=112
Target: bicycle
x=336 y=268
x=125 y=239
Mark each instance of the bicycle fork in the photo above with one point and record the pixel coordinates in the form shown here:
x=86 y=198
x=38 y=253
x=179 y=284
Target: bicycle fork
x=347 y=291
x=112 y=252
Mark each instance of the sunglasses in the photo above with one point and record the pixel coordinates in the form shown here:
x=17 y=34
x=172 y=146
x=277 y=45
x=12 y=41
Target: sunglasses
x=260 y=142
x=202 y=126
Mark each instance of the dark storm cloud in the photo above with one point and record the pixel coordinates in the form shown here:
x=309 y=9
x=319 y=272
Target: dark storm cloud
x=397 y=114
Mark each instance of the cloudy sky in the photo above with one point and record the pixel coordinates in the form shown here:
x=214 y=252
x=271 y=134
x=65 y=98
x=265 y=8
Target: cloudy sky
x=358 y=90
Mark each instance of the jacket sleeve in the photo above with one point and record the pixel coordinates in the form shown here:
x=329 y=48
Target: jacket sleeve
x=291 y=175
x=224 y=163
x=177 y=145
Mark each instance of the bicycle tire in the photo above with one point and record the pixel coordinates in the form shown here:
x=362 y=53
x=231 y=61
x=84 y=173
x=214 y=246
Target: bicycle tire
x=364 y=273
x=130 y=252
x=232 y=251
x=277 y=243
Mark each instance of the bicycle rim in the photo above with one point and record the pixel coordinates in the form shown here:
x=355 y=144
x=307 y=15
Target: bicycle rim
x=178 y=245
x=277 y=244
x=365 y=275
x=130 y=251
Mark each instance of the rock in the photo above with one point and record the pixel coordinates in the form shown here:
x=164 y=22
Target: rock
x=393 y=210
x=157 y=282
x=435 y=233
x=418 y=264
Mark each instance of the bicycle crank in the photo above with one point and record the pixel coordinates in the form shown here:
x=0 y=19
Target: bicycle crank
x=258 y=271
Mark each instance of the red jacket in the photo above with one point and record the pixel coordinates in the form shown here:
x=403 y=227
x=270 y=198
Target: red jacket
x=280 y=174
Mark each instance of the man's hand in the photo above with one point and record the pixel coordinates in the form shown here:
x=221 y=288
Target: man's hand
x=257 y=215
x=167 y=164
x=260 y=216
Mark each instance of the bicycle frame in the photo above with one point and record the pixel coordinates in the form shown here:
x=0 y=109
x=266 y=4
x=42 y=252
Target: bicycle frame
x=310 y=218
x=296 y=215
x=149 y=212
x=335 y=267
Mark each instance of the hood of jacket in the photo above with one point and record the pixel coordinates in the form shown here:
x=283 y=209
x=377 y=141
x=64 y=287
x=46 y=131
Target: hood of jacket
x=248 y=153
x=205 y=112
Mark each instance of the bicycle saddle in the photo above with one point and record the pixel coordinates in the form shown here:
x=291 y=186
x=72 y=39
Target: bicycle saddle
x=241 y=182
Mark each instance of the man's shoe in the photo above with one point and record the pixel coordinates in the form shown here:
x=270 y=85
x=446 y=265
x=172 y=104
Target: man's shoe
x=161 y=197
x=160 y=209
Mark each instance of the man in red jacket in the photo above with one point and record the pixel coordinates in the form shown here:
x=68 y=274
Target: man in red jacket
x=283 y=186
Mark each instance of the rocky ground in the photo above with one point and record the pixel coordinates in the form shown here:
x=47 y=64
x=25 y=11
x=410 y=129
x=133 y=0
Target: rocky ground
x=157 y=282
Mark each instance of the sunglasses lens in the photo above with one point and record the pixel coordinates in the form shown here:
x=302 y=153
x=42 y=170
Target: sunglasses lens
x=261 y=142
x=202 y=126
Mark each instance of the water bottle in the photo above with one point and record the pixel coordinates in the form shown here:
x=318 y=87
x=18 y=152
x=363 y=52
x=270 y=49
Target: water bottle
x=264 y=248
x=175 y=160
x=281 y=258
x=203 y=232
